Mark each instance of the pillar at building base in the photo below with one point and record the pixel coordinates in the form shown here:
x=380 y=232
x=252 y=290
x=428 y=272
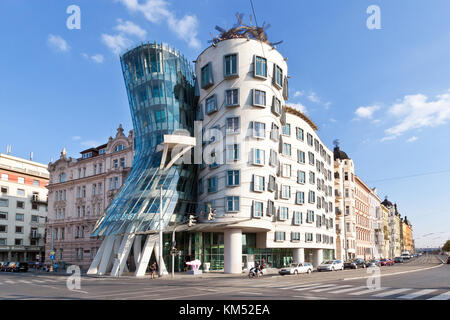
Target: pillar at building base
x=317 y=257
x=299 y=255
x=233 y=251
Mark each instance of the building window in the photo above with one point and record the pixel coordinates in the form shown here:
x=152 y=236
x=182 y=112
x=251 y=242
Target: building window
x=270 y=208
x=119 y=147
x=259 y=98
x=3 y=216
x=232 y=178
x=310 y=216
x=102 y=151
x=207 y=76
x=115 y=163
x=212 y=184
x=274 y=132
x=300 y=156
x=280 y=235
x=19 y=229
x=34 y=218
x=287 y=129
x=300 y=197
x=233 y=153
x=287 y=149
x=20 y=180
x=4 y=177
x=4 y=202
x=309 y=237
x=232 y=204
x=311 y=197
x=285 y=192
x=309 y=139
x=298 y=218
x=3 y=242
x=4 y=190
x=272 y=184
x=20 y=205
x=258 y=183
x=278 y=77
x=19 y=217
x=260 y=67
x=299 y=132
x=18 y=242
x=259 y=129
x=312 y=177
x=232 y=97
x=311 y=158
x=295 y=236
x=276 y=106
x=258 y=209
x=200 y=186
x=211 y=104
x=286 y=170
x=122 y=162
x=233 y=125
x=230 y=65
x=258 y=157
x=273 y=161
x=21 y=192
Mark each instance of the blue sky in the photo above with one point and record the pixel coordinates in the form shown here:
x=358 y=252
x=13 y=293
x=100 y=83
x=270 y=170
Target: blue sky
x=384 y=93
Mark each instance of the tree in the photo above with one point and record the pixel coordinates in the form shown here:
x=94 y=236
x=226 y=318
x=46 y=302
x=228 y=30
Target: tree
x=446 y=246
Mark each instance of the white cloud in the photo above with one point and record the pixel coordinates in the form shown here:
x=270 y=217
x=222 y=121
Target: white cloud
x=417 y=111
x=412 y=139
x=298 y=94
x=57 y=43
x=130 y=28
x=299 y=107
x=366 y=112
x=313 y=97
x=76 y=138
x=90 y=143
x=332 y=120
x=117 y=43
x=157 y=11
x=98 y=58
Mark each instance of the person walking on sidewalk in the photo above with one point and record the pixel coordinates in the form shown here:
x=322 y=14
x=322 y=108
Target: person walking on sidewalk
x=153 y=270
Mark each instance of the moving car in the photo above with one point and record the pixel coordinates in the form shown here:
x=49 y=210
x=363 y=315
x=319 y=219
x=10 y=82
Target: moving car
x=355 y=264
x=331 y=265
x=296 y=268
x=386 y=262
x=398 y=260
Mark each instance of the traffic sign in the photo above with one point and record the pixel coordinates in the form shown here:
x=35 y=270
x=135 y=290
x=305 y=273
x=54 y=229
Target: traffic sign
x=38 y=256
x=52 y=257
x=52 y=253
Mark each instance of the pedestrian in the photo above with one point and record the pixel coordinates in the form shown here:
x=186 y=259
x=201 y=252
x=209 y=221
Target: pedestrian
x=56 y=267
x=153 y=270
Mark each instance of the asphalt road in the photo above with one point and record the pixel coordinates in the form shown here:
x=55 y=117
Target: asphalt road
x=421 y=278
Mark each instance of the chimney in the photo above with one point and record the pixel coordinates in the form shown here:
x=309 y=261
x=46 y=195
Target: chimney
x=31 y=156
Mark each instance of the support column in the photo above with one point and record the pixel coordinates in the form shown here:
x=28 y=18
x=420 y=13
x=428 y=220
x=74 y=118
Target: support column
x=299 y=255
x=162 y=267
x=317 y=257
x=93 y=269
x=106 y=254
x=142 y=264
x=137 y=249
x=233 y=251
x=122 y=255
x=9 y=255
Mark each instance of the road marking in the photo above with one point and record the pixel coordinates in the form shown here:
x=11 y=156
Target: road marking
x=443 y=296
x=393 y=274
x=301 y=286
x=347 y=290
x=10 y=282
x=24 y=281
x=325 y=289
x=245 y=292
x=316 y=287
x=417 y=294
x=391 y=293
x=367 y=291
x=309 y=297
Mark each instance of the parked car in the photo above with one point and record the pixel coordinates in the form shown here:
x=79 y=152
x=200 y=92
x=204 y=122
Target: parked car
x=22 y=267
x=373 y=263
x=296 y=268
x=331 y=265
x=398 y=260
x=386 y=262
x=3 y=265
x=355 y=264
x=12 y=266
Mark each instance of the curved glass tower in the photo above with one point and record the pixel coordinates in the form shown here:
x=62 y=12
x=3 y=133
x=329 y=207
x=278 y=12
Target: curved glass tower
x=160 y=88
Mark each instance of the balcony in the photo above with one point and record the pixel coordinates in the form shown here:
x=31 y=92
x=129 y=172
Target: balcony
x=36 y=199
x=36 y=236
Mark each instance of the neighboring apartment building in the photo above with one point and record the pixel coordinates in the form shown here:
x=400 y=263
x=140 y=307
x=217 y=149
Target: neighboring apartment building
x=386 y=232
x=376 y=225
x=407 y=235
x=395 y=229
x=344 y=184
x=363 y=225
x=79 y=192
x=23 y=208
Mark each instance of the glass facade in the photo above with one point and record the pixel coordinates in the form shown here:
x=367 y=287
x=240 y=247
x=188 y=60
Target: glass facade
x=160 y=87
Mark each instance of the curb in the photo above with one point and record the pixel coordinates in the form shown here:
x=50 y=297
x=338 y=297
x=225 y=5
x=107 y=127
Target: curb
x=393 y=274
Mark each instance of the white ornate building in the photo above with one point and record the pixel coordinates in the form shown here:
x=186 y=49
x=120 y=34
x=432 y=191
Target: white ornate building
x=78 y=193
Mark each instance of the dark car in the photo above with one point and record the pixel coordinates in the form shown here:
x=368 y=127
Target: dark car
x=398 y=260
x=373 y=263
x=355 y=264
x=22 y=267
x=448 y=260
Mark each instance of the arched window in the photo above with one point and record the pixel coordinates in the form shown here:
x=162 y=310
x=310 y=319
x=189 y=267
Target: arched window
x=119 y=147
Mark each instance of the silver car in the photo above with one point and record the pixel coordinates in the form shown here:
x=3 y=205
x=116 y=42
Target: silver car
x=331 y=265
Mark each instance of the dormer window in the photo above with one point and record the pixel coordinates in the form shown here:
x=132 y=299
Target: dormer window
x=119 y=147
x=87 y=155
x=102 y=151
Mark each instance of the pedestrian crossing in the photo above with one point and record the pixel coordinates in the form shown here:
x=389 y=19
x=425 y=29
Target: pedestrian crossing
x=348 y=291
